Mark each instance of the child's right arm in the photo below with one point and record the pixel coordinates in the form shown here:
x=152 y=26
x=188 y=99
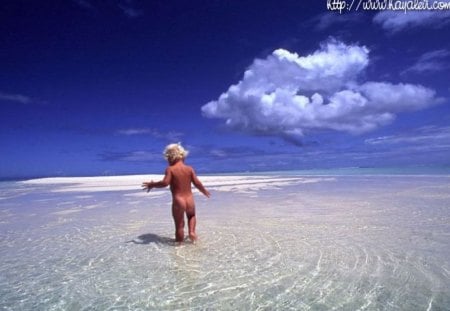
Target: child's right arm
x=159 y=184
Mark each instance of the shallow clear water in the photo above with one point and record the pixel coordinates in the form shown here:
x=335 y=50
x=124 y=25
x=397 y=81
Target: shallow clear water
x=266 y=243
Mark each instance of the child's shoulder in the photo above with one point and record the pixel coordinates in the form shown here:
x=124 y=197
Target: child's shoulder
x=179 y=165
x=188 y=167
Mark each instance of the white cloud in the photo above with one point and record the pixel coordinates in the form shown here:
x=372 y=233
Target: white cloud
x=286 y=94
x=430 y=62
x=395 y=21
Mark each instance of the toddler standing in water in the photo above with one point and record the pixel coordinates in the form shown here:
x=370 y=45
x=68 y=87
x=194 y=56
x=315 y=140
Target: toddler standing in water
x=180 y=176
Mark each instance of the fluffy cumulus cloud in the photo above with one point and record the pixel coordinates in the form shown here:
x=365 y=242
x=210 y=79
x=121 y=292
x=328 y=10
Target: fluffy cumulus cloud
x=287 y=95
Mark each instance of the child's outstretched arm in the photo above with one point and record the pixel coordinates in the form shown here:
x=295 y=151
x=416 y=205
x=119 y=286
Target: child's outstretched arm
x=197 y=183
x=159 y=184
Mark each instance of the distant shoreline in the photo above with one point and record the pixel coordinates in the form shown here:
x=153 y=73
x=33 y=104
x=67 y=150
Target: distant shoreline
x=347 y=171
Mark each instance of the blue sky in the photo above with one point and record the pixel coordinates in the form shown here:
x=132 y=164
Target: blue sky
x=100 y=87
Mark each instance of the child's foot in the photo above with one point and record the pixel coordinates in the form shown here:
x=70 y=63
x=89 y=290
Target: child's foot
x=193 y=237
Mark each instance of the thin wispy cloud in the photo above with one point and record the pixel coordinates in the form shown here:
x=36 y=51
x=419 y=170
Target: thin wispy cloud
x=235 y=152
x=131 y=156
x=428 y=135
x=287 y=95
x=396 y=21
x=329 y=20
x=85 y=4
x=127 y=7
x=429 y=62
x=135 y=131
x=130 y=11
x=170 y=135
x=18 y=98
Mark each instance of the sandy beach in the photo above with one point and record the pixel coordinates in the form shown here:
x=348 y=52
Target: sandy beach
x=267 y=242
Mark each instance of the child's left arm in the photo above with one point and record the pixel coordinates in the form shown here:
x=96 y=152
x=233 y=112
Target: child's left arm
x=198 y=184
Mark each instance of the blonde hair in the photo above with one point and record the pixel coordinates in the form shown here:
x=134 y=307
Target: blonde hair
x=175 y=152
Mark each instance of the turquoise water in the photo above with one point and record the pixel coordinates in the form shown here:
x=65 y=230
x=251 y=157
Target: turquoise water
x=267 y=242
x=346 y=171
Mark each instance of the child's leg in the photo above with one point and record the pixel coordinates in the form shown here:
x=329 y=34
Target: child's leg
x=192 y=220
x=178 y=218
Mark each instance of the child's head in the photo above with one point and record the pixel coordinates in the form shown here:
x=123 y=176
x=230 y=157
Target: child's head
x=175 y=152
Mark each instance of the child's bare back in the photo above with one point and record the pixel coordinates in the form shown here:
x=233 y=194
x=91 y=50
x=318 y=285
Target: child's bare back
x=180 y=176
